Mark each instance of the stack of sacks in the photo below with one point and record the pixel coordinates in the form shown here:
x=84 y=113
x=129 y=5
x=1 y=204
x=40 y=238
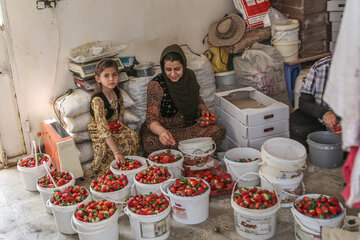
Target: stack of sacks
x=74 y=109
x=137 y=89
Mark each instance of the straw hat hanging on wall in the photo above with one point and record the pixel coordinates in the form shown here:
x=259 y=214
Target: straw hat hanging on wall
x=227 y=31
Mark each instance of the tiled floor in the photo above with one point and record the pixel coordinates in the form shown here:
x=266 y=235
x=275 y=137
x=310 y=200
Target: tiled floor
x=22 y=215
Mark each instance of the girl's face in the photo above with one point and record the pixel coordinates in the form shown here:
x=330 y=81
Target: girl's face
x=173 y=70
x=108 y=78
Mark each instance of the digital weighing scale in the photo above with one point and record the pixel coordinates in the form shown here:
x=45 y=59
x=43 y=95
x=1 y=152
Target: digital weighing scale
x=90 y=83
x=87 y=70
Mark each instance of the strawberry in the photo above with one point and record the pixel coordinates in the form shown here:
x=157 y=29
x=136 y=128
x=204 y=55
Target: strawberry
x=148 y=204
x=332 y=210
x=254 y=198
x=323 y=199
x=165 y=157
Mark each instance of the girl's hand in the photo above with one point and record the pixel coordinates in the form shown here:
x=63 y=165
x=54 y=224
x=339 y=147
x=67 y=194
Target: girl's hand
x=166 y=138
x=119 y=158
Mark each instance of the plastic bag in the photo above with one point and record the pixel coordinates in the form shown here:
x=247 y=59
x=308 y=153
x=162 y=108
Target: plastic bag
x=74 y=104
x=80 y=137
x=204 y=73
x=218 y=58
x=262 y=67
x=85 y=151
x=78 y=123
x=127 y=100
x=130 y=117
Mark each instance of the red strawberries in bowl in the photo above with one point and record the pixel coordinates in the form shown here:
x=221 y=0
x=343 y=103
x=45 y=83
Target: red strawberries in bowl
x=148 y=204
x=254 y=198
x=318 y=207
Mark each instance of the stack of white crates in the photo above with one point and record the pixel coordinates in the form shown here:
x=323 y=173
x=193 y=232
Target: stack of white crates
x=336 y=10
x=250 y=126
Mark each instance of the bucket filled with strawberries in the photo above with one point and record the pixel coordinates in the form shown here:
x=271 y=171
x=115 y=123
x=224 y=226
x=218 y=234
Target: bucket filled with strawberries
x=153 y=210
x=150 y=179
x=312 y=211
x=46 y=186
x=132 y=165
x=96 y=220
x=253 y=207
x=170 y=158
x=30 y=170
x=63 y=202
x=189 y=199
x=110 y=187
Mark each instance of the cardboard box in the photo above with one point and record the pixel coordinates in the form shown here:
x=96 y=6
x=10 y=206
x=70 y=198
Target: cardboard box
x=301 y=7
x=335 y=16
x=336 y=5
x=273 y=111
x=237 y=131
x=332 y=46
x=335 y=26
x=334 y=35
x=254 y=143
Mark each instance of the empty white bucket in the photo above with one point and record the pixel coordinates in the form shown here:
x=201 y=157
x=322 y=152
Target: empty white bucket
x=130 y=173
x=286 y=32
x=288 y=189
x=62 y=215
x=237 y=169
x=283 y=158
x=143 y=188
x=188 y=210
x=225 y=79
x=146 y=227
x=106 y=229
x=175 y=167
x=288 y=49
x=46 y=193
x=255 y=224
x=29 y=176
x=309 y=228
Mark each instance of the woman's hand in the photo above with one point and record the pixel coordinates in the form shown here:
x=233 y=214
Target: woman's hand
x=120 y=159
x=166 y=138
x=330 y=120
x=207 y=112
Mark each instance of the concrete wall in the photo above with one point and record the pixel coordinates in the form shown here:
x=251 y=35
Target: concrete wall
x=147 y=26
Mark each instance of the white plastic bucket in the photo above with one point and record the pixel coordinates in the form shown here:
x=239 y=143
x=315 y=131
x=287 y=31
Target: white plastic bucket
x=175 y=167
x=288 y=189
x=131 y=173
x=309 y=228
x=237 y=169
x=146 y=227
x=143 y=188
x=189 y=210
x=283 y=158
x=46 y=193
x=255 y=224
x=197 y=151
x=62 y=215
x=225 y=79
x=288 y=49
x=106 y=229
x=118 y=196
x=287 y=32
x=29 y=176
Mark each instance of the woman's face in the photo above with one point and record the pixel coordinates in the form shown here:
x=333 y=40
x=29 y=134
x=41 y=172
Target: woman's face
x=173 y=70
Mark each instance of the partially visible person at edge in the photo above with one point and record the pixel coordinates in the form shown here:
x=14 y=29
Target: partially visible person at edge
x=174 y=105
x=107 y=106
x=313 y=111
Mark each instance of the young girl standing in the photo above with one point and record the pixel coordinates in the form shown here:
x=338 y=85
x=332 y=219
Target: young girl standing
x=106 y=107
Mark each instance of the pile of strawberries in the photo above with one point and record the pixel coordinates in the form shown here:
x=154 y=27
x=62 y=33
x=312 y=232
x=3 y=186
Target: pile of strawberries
x=164 y=157
x=61 y=178
x=109 y=182
x=247 y=160
x=321 y=207
x=129 y=164
x=30 y=161
x=148 y=204
x=153 y=175
x=70 y=195
x=254 y=198
x=206 y=120
x=95 y=211
x=115 y=127
x=217 y=182
x=188 y=187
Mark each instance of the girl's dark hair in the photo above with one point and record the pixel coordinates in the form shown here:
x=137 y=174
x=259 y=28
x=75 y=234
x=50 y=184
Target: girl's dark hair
x=172 y=56
x=105 y=63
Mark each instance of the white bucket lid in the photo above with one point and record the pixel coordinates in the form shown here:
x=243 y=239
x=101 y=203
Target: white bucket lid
x=283 y=152
x=196 y=143
x=293 y=24
x=224 y=73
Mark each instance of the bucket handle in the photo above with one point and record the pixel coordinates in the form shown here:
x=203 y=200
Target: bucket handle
x=294 y=195
x=294 y=52
x=257 y=174
x=88 y=233
x=162 y=189
x=35 y=153
x=48 y=172
x=132 y=190
x=107 y=198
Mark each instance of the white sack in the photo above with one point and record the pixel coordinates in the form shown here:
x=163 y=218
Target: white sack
x=78 y=123
x=74 y=104
x=80 y=137
x=85 y=151
x=130 y=117
x=127 y=100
